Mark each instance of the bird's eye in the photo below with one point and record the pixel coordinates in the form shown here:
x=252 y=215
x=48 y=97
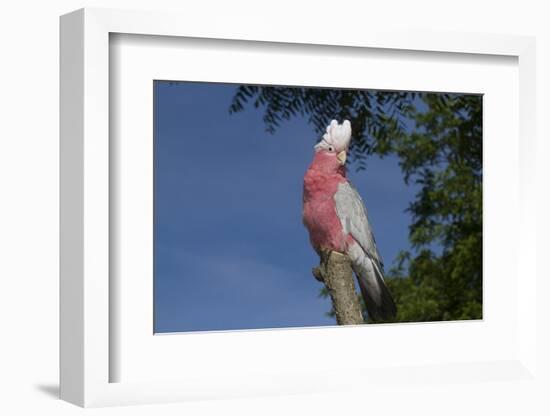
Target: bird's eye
x=331 y=149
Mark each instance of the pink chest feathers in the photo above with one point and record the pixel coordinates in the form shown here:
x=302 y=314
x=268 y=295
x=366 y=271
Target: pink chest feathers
x=319 y=210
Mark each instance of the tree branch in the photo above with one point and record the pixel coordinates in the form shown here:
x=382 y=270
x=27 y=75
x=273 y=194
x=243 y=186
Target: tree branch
x=336 y=273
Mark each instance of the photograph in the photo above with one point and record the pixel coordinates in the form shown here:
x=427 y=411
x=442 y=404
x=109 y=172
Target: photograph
x=302 y=206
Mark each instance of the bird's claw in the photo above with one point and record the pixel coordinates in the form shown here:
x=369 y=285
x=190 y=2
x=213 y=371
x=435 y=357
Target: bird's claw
x=317 y=273
x=324 y=257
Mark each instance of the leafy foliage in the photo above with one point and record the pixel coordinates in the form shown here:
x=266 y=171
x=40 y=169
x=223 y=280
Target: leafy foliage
x=438 y=139
x=376 y=116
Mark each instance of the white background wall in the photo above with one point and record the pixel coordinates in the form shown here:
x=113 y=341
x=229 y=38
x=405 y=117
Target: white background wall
x=29 y=204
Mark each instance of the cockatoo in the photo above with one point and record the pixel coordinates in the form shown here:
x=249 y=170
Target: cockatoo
x=336 y=218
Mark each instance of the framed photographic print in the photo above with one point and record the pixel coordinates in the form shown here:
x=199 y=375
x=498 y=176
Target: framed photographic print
x=290 y=198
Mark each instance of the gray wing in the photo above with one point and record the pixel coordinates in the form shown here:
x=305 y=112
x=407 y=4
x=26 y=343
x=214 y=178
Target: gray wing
x=353 y=215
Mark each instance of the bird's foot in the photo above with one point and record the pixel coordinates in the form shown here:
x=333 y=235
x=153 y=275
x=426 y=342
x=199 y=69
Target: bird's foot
x=318 y=274
x=324 y=257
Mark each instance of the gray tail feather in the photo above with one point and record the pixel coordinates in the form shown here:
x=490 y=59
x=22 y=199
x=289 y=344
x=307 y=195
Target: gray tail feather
x=383 y=310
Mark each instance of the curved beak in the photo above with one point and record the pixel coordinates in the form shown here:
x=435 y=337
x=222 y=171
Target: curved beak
x=342 y=157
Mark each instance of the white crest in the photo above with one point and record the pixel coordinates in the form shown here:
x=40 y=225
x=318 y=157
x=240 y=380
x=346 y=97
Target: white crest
x=337 y=136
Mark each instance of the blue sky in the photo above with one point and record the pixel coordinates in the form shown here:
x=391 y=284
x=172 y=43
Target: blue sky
x=230 y=248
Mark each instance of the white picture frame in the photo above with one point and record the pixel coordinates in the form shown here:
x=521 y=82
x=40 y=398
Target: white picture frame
x=86 y=291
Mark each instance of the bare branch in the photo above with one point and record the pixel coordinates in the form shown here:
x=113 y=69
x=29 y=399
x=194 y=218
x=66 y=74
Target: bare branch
x=336 y=273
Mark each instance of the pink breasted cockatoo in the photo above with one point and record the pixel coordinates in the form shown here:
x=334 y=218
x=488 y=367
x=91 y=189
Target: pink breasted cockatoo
x=336 y=219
